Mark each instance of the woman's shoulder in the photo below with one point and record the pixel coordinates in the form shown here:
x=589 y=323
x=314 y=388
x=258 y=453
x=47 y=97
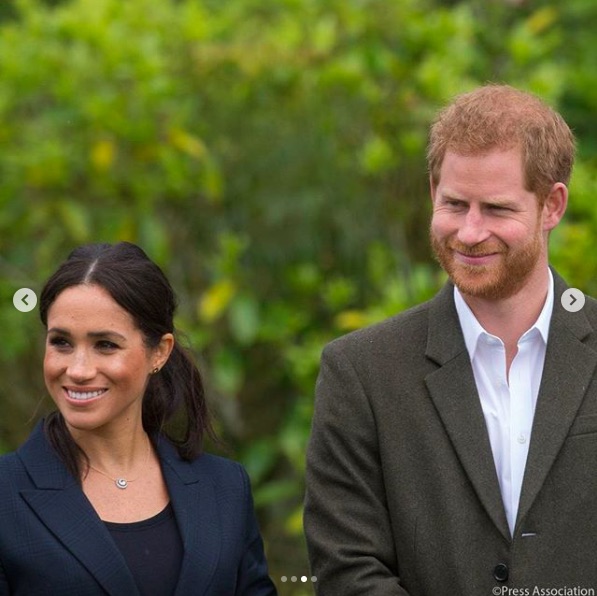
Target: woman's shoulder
x=9 y=461
x=220 y=467
x=12 y=473
x=35 y=463
x=221 y=471
x=12 y=460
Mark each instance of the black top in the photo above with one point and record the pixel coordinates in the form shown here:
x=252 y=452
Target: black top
x=152 y=548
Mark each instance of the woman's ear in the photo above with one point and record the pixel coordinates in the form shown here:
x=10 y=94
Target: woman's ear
x=163 y=350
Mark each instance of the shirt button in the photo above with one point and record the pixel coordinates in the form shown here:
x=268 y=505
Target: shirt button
x=522 y=439
x=500 y=572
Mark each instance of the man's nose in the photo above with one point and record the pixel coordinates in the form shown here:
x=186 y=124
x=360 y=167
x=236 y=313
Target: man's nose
x=473 y=229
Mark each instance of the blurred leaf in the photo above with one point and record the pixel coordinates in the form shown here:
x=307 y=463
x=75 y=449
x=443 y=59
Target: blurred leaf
x=273 y=492
x=103 y=154
x=188 y=143
x=377 y=156
x=244 y=318
x=75 y=219
x=542 y=19
x=339 y=292
x=213 y=183
x=350 y=320
x=228 y=371
x=294 y=523
x=216 y=300
x=259 y=459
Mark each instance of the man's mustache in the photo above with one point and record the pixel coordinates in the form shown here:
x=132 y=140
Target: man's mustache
x=478 y=250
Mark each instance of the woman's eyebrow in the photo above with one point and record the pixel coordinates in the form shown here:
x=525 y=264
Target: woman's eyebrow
x=91 y=334
x=58 y=330
x=96 y=334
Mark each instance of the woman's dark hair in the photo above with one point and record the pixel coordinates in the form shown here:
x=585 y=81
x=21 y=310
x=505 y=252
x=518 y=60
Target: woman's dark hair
x=139 y=286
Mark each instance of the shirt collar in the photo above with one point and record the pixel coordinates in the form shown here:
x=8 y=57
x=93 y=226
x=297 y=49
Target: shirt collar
x=472 y=329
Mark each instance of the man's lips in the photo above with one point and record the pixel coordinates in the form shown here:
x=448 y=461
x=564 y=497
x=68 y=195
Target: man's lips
x=482 y=259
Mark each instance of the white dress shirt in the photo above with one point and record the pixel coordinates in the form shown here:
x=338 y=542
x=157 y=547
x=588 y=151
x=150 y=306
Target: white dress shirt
x=508 y=407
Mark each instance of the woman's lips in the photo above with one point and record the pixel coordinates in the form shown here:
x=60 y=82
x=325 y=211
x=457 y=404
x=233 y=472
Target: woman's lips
x=81 y=395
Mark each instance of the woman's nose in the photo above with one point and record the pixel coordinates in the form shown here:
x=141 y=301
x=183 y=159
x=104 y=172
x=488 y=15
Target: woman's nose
x=81 y=366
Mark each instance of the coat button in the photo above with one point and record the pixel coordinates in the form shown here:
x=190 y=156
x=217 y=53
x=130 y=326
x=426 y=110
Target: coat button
x=500 y=572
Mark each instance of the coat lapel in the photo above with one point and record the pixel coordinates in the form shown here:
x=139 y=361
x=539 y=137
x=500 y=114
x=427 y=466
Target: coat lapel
x=193 y=498
x=567 y=373
x=62 y=507
x=454 y=393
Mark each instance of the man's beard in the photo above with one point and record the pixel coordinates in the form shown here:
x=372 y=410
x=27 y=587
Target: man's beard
x=495 y=281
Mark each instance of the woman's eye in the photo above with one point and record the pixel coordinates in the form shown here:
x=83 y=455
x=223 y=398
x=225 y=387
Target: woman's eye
x=59 y=342
x=106 y=345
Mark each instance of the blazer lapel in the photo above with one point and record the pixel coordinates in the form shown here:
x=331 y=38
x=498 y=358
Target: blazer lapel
x=454 y=393
x=193 y=499
x=62 y=507
x=568 y=370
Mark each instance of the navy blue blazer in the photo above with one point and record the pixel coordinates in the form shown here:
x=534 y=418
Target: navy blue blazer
x=53 y=543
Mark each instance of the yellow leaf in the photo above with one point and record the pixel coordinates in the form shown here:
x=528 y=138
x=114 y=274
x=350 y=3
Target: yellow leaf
x=188 y=143
x=215 y=300
x=351 y=319
x=294 y=524
x=542 y=19
x=103 y=154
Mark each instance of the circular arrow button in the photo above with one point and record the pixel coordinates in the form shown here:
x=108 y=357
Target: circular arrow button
x=24 y=300
x=573 y=299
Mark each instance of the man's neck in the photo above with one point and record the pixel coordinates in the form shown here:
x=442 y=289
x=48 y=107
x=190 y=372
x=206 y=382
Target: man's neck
x=510 y=317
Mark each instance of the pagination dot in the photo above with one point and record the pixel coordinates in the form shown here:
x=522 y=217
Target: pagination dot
x=294 y=578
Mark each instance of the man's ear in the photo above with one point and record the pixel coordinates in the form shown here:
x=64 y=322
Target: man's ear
x=432 y=189
x=555 y=206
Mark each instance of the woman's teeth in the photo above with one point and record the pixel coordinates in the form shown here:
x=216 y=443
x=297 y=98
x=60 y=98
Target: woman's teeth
x=84 y=394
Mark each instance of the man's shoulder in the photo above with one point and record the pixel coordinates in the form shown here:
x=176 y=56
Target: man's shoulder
x=589 y=310
x=581 y=322
x=590 y=307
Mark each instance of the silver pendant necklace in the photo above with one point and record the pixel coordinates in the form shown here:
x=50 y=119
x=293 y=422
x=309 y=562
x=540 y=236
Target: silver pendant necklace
x=121 y=482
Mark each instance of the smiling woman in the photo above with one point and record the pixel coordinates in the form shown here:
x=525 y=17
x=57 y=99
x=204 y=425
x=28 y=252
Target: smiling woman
x=97 y=365
x=104 y=498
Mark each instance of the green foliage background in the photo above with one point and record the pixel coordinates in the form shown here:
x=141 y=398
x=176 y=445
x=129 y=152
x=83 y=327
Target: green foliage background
x=269 y=155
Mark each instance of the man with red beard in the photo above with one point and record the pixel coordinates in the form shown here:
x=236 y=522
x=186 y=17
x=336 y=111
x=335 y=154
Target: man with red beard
x=454 y=446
